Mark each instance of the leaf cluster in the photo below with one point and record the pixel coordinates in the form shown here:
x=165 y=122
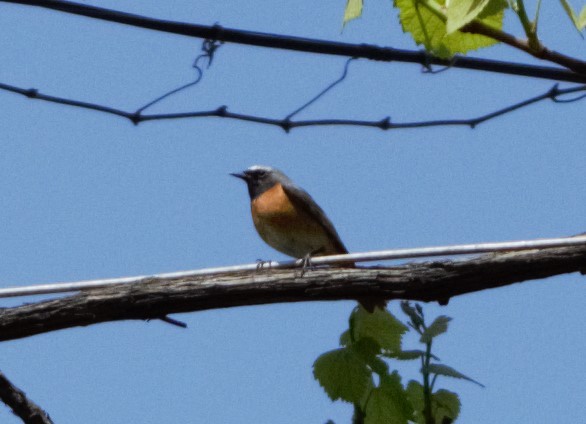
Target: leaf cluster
x=358 y=372
x=449 y=27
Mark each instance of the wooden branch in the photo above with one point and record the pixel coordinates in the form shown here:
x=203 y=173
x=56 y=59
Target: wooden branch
x=24 y=408
x=541 y=52
x=155 y=298
x=276 y=41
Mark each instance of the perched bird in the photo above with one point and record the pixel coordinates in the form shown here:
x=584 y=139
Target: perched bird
x=289 y=220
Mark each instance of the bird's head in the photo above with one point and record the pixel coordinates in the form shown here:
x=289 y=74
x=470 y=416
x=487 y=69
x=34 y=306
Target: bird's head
x=260 y=178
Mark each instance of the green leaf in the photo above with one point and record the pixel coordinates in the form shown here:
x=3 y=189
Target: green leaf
x=440 y=369
x=379 y=366
x=427 y=26
x=571 y=14
x=414 y=393
x=343 y=374
x=366 y=347
x=462 y=12
x=415 y=317
x=388 y=403
x=582 y=19
x=353 y=10
x=578 y=21
x=380 y=326
x=407 y=355
x=437 y=327
x=345 y=339
x=445 y=404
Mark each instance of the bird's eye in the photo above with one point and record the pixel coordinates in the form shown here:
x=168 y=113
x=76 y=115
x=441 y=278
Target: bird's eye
x=261 y=173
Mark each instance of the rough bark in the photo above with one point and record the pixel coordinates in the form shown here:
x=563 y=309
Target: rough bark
x=155 y=298
x=22 y=407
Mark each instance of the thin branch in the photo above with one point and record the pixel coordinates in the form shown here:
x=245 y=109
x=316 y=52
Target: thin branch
x=153 y=298
x=222 y=112
x=387 y=54
x=541 y=52
x=24 y=408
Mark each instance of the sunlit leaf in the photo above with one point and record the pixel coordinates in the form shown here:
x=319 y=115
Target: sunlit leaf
x=429 y=29
x=380 y=325
x=582 y=19
x=343 y=374
x=353 y=10
x=462 y=12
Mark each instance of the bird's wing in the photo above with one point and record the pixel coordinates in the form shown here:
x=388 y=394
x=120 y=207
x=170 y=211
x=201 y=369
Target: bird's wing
x=302 y=200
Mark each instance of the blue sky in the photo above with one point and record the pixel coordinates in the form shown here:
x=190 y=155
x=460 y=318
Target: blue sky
x=87 y=195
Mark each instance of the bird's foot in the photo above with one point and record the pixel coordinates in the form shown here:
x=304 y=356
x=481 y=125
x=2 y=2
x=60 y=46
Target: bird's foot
x=262 y=264
x=306 y=264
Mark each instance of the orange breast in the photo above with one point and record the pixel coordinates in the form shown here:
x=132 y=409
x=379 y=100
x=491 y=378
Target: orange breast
x=286 y=229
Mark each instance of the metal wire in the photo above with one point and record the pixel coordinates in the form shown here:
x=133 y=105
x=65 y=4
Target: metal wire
x=419 y=252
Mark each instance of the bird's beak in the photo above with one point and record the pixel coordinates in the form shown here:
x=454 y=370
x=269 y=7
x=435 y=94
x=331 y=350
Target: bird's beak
x=241 y=176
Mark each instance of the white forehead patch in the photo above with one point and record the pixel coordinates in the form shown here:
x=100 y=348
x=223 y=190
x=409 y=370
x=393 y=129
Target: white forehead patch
x=260 y=168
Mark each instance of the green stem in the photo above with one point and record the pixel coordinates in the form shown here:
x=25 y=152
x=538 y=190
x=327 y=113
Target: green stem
x=427 y=412
x=528 y=26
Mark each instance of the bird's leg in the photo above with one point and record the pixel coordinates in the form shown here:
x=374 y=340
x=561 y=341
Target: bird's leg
x=306 y=264
x=306 y=261
x=260 y=264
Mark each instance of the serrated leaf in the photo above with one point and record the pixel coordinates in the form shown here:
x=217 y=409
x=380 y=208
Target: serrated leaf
x=391 y=384
x=448 y=371
x=414 y=393
x=353 y=10
x=343 y=374
x=388 y=403
x=429 y=29
x=462 y=12
x=437 y=327
x=445 y=404
x=380 y=325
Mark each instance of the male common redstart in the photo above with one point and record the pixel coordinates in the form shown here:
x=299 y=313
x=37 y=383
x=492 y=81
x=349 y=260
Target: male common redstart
x=288 y=219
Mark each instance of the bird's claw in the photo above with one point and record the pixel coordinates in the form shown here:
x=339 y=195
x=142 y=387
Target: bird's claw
x=261 y=264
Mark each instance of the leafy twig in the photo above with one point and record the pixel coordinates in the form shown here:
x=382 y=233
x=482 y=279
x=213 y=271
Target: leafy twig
x=366 y=51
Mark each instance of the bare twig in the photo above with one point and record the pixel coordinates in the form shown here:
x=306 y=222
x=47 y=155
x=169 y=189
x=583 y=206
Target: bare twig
x=153 y=298
x=366 y=51
x=22 y=407
x=222 y=112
